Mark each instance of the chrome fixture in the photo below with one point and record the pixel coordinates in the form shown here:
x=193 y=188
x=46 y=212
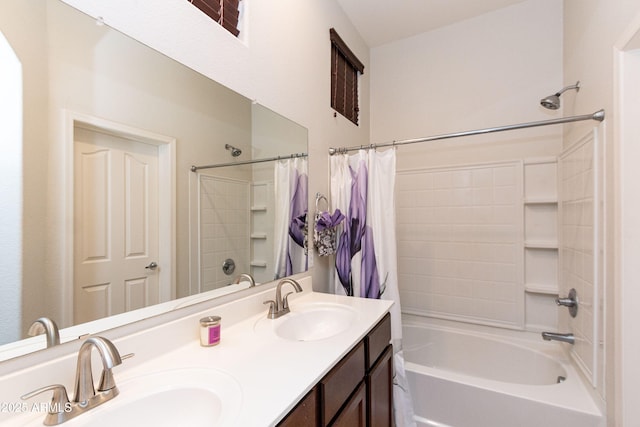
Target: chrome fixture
x=249 y=278
x=250 y=162
x=48 y=327
x=280 y=306
x=553 y=336
x=597 y=116
x=552 y=102
x=235 y=151
x=86 y=395
x=152 y=265
x=571 y=302
x=228 y=266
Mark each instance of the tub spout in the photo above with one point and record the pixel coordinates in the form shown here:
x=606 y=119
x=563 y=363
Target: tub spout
x=553 y=336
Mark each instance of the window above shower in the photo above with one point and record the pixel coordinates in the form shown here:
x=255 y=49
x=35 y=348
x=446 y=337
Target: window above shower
x=345 y=70
x=227 y=13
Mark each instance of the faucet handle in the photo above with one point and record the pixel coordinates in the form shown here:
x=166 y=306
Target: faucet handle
x=285 y=301
x=106 y=379
x=571 y=302
x=272 y=308
x=59 y=406
x=59 y=394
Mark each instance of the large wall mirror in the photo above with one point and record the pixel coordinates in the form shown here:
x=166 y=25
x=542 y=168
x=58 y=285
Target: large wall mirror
x=132 y=184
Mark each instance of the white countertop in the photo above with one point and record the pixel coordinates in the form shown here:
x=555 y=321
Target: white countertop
x=273 y=373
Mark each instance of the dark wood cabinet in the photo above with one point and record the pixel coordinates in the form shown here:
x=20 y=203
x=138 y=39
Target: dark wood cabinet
x=305 y=413
x=380 y=391
x=354 y=413
x=338 y=385
x=358 y=391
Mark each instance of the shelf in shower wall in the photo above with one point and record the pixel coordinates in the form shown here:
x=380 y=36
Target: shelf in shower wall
x=258 y=208
x=541 y=244
x=541 y=201
x=262 y=264
x=259 y=236
x=536 y=288
x=541 y=252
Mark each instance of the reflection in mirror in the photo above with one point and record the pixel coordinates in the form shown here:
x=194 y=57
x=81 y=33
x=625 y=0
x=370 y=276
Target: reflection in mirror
x=102 y=112
x=252 y=217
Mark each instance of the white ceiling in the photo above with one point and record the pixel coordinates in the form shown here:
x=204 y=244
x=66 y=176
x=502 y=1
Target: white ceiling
x=384 y=21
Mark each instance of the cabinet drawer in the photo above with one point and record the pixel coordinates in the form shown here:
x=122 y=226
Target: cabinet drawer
x=377 y=340
x=337 y=385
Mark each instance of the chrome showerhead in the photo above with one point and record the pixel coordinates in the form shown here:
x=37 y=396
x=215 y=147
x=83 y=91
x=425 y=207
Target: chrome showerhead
x=552 y=102
x=235 y=152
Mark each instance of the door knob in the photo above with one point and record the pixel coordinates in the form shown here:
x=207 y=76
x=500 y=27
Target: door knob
x=152 y=266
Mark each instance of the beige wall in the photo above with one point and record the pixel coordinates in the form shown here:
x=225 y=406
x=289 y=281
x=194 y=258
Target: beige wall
x=487 y=71
x=35 y=154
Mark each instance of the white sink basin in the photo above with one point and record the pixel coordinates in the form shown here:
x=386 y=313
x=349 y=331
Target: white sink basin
x=310 y=322
x=179 y=397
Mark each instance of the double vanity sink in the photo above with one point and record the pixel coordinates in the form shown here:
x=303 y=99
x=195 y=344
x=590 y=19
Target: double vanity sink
x=254 y=377
x=172 y=397
x=310 y=321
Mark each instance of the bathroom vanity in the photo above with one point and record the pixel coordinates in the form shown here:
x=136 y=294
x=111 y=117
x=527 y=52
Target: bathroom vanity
x=358 y=389
x=327 y=362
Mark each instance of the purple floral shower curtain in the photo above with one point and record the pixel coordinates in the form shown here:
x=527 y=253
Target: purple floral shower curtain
x=357 y=238
x=291 y=224
x=362 y=186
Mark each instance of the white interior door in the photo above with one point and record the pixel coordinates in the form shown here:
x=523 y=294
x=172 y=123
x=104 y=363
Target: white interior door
x=115 y=225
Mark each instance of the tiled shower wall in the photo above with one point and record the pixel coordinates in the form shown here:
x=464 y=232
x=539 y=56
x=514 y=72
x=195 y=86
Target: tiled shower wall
x=579 y=256
x=460 y=243
x=224 y=229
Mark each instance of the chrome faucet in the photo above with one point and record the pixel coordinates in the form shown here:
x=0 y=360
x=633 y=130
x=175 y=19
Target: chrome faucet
x=86 y=395
x=280 y=306
x=85 y=391
x=48 y=327
x=553 y=336
x=249 y=278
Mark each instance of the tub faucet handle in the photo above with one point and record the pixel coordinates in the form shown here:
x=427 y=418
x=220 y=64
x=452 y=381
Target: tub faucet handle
x=571 y=302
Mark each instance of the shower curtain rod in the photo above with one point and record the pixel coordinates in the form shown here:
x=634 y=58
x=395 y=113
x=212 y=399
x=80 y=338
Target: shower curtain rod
x=598 y=115
x=248 y=162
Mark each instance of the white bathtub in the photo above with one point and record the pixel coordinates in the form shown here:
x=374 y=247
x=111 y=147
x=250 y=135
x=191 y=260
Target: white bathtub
x=475 y=378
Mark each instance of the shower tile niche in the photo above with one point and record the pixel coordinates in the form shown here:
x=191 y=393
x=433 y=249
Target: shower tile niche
x=541 y=226
x=541 y=243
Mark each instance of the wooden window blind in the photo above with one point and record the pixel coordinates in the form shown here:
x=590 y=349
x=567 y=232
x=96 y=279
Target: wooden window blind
x=224 y=12
x=345 y=68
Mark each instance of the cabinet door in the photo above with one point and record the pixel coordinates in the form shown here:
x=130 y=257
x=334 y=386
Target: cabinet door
x=304 y=414
x=380 y=391
x=354 y=414
x=340 y=382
